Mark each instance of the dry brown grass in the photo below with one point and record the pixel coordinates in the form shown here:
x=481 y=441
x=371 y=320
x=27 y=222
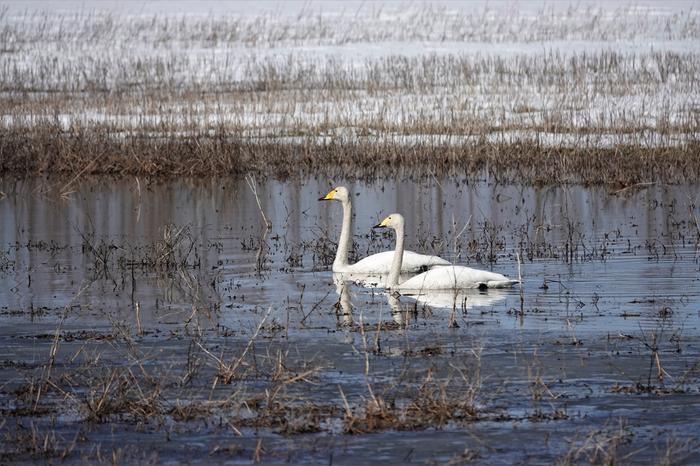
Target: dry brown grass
x=122 y=102
x=601 y=446
x=47 y=150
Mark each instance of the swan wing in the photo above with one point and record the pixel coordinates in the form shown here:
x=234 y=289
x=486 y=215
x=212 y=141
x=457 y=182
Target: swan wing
x=413 y=261
x=380 y=263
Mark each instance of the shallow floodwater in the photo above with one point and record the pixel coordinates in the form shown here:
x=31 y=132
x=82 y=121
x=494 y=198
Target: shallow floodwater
x=598 y=353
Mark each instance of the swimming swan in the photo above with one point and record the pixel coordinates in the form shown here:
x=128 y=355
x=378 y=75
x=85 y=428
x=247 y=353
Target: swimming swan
x=377 y=263
x=453 y=277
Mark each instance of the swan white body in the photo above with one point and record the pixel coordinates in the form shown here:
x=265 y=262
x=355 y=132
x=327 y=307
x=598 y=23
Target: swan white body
x=379 y=263
x=452 y=277
x=455 y=277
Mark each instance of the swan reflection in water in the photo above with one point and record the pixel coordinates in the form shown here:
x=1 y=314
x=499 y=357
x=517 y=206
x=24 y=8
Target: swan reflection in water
x=345 y=306
x=460 y=300
x=403 y=308
x=368 y=280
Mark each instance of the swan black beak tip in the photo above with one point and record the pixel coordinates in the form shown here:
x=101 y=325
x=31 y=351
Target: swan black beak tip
x=379 y=225
x=322 y=199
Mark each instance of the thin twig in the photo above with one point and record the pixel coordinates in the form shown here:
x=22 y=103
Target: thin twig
x=250 y=180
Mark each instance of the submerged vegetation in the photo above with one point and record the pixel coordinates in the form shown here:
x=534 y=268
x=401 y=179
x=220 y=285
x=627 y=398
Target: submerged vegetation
x=286 y=95
x=236 y=346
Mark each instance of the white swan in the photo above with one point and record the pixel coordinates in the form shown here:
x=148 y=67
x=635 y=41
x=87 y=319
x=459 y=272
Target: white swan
x=379 y=263
x=453 y=277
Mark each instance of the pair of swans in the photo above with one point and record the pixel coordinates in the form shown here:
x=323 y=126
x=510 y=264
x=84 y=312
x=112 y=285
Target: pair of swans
x=379 y=263
x=441 y=275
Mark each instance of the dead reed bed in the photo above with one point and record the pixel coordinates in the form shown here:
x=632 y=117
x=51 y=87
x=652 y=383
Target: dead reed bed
x=49 y=150
x=172 y=95
x=588 y=99
x=370 y=23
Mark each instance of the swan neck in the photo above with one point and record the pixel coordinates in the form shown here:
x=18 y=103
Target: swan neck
x=341 y=255
x=397 y=261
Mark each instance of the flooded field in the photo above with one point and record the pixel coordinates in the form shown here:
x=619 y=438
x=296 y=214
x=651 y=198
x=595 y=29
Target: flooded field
x=166 y=323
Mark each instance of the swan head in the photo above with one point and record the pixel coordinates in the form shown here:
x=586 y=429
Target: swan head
x=340 y=193
x=392 y=221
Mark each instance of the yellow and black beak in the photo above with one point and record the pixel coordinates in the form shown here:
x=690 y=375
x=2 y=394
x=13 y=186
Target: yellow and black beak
x=383 y=224
x=329 y=196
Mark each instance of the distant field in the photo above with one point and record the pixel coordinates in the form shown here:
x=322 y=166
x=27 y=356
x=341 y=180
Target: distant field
x=432 y=89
